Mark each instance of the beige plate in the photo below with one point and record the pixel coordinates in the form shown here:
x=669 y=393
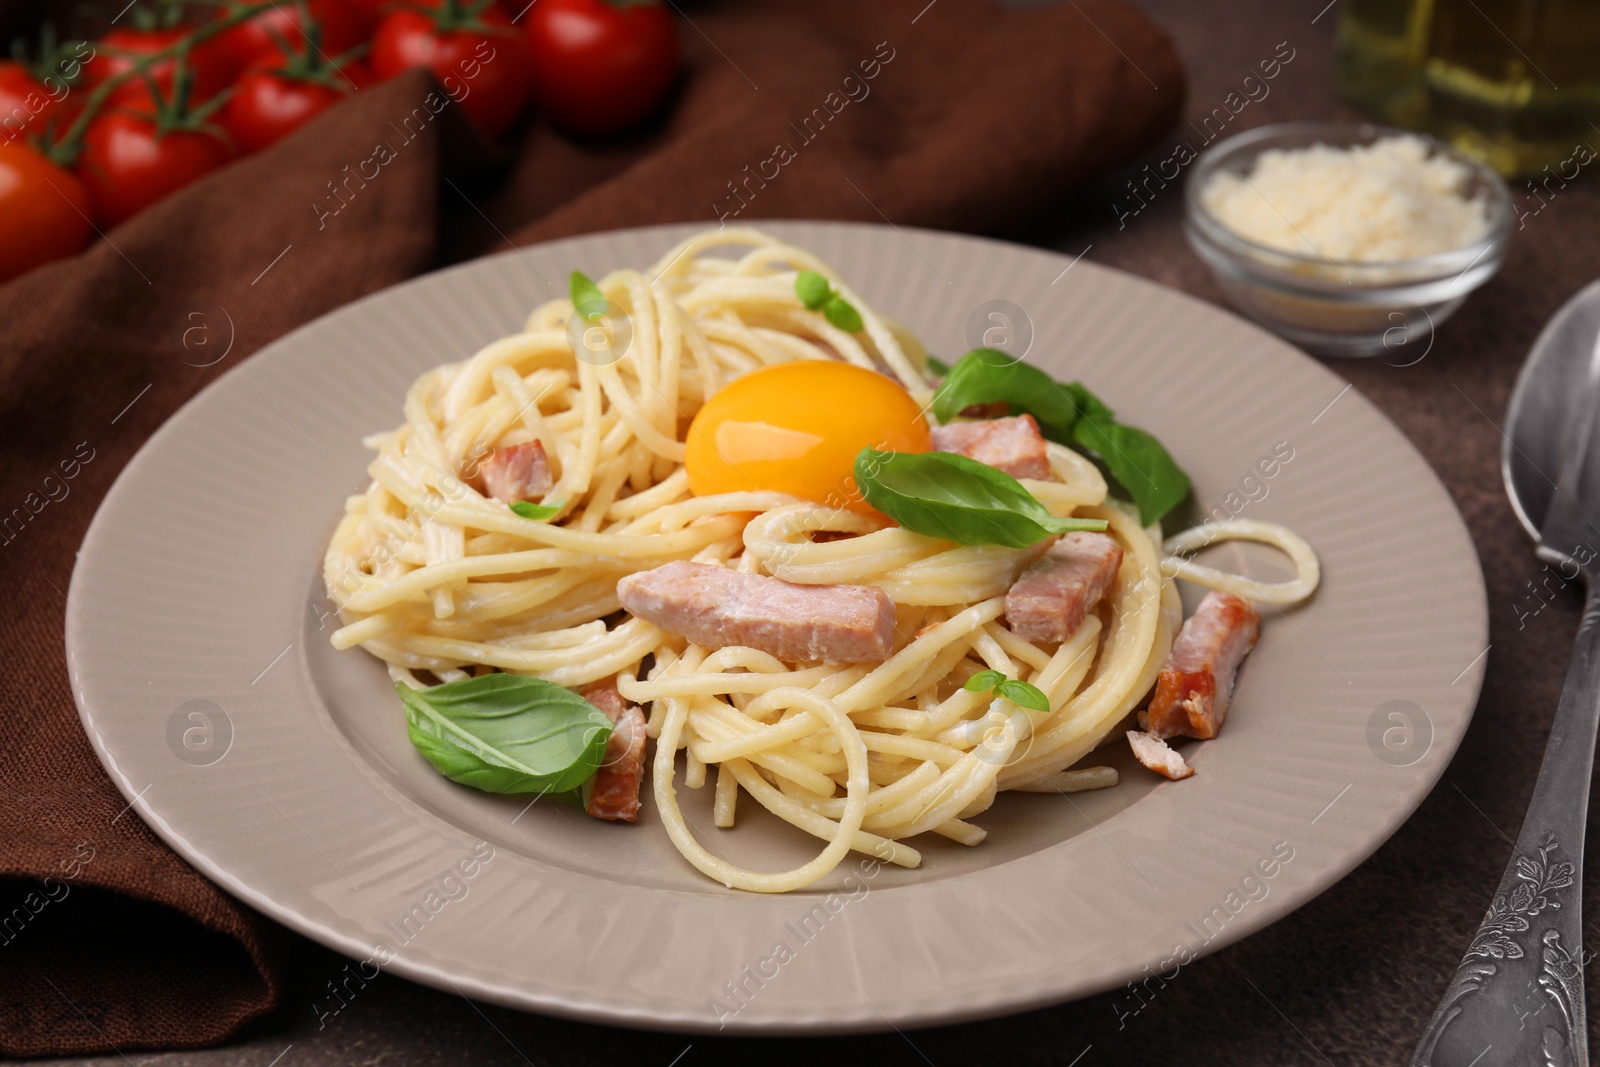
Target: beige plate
x=199 y=652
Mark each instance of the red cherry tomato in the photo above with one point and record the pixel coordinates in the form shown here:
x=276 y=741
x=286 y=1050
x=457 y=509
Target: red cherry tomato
x=601 y=67
x=343 y=26
x=26 y=104
x=210 y=62
x=44 y=211
x=373 y=10
x=37 y=98
x=268 y=105
x=126 y=166
x=482 y=61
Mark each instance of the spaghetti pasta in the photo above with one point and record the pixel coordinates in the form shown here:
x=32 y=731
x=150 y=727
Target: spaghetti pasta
x=433 y=577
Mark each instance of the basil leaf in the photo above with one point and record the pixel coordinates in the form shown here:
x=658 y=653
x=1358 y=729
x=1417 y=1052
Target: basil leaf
x=812 y=289
x=986 y=375
x=843 y=316
x=984 y=681
x=1071 y=415
x=1015 y=690
x=587 y=300
x=506 y=733
x=1023 y=695
x=1090 y=407
x=941 y=494
x=936 y=366
x=529 y=510
x=1145 y=470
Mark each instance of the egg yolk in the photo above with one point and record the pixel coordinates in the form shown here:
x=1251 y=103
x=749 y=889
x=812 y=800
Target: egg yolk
x=796 y=428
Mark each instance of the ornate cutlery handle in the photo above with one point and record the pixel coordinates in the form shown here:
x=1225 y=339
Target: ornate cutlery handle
x=1517 y=997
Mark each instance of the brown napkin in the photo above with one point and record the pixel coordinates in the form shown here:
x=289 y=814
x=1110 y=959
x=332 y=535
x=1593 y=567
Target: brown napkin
x=973 y=119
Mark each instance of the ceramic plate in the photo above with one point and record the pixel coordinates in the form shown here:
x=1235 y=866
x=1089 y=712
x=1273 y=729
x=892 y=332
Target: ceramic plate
x=199 y=652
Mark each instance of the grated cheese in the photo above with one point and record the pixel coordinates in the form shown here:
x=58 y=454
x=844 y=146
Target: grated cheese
x=1377 y=203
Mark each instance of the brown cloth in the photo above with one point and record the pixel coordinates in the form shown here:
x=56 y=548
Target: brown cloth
x=974 y=118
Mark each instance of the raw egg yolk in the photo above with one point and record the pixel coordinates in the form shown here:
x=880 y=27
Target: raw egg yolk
x=796 y=428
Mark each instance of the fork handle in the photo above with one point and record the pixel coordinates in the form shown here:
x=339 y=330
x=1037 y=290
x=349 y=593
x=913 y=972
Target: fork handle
x=1517 y=997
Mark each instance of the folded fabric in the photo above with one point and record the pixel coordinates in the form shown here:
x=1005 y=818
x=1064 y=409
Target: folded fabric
x=949 y=114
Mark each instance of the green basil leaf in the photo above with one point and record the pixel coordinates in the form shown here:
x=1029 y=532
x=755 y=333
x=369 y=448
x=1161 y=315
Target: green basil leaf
x=1071 y=415
x=843 y=316
x=1145 y=470
x=1023 y=695
x=587 y=300
x=1015 y=690
x=984 y=681
x=507 y=733
x=937 y=367
x=986 y=375
x=529 y=510
x=941 y=494
x=1090 y=407
x=812 y=289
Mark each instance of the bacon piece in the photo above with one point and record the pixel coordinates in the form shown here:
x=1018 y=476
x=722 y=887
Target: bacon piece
x=614 y=790
x=715 y=607
x=605 y=696
x=517 y=472
x=1052 y=597
x=1156 y=754
x=1012 y=444
x=1195 y=684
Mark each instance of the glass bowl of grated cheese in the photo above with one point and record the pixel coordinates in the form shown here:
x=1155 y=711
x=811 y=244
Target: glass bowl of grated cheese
x=1347 y=239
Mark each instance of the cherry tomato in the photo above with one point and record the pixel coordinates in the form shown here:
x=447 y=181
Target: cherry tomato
x=44 y=211
x=126 y=165
x=25 y=104
x=268 y=104
x=40 y=96
x=343 y=25
x=372 y=10
x=600 y=67
x=480 y=59
x=210 y=61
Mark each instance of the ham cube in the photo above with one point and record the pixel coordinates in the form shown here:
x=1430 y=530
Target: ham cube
x=605 y=696
x=1197 y=681
x=517 y=472
x=614 y=791
x=1156 y=754
x=716 y=607
x=1053 y=596
x=1012 y=444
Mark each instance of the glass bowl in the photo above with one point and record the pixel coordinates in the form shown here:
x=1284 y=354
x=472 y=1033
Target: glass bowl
x=1342 y=307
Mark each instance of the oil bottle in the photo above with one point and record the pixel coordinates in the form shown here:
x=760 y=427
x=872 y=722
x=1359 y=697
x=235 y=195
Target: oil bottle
x=1514 y=82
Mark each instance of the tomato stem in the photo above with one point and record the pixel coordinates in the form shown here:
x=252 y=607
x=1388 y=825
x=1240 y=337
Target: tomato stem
x=52 y=58
x=455 y=16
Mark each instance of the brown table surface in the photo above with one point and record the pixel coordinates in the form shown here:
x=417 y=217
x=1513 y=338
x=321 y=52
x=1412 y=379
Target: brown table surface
x=1351 y=977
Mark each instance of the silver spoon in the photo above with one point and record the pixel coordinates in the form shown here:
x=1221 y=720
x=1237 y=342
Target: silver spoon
x=1517 y=997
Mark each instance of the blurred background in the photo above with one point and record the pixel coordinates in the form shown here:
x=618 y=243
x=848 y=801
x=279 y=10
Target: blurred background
x=1514 y=83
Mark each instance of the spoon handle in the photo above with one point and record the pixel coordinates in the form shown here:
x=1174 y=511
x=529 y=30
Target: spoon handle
x=1519 y=989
